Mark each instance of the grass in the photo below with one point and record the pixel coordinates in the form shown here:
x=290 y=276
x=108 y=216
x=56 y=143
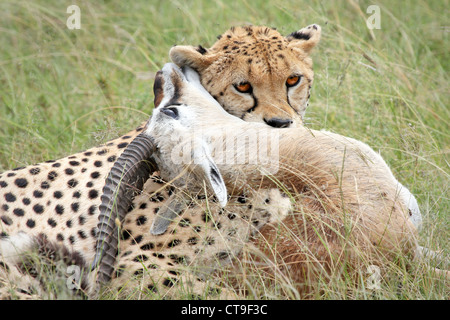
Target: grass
x=64 y=90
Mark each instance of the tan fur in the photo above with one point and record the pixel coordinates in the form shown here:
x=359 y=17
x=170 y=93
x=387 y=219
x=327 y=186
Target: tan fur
x=262 y=57
x=348 y=205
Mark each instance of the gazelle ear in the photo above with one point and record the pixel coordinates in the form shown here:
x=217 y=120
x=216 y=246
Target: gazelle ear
x=197 y=58
x=168 y=83
x=210 y=172
x=305 y=39
x=158 y=88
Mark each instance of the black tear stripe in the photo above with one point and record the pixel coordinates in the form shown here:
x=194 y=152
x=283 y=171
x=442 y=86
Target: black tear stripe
x=289 y=101
x=255 y=105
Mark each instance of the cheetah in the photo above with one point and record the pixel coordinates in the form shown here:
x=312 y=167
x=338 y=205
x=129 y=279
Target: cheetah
x=55 y=204
x=58 y=200
x=255 y=73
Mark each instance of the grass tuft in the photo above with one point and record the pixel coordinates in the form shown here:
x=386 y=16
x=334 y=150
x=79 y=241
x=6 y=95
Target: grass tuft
x=64 y=90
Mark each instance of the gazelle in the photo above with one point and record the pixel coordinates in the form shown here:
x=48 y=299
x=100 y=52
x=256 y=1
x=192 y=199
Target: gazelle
x=347 y=200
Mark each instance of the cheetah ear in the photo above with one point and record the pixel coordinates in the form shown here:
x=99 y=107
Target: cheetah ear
x=305 y=39
x=194 y=57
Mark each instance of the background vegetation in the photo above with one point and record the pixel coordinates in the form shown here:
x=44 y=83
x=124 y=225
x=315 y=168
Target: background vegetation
x=64 y=90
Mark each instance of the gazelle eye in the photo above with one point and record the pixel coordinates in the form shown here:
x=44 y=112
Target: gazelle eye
x=292 y=80
x=243 y=87
x=171 y=112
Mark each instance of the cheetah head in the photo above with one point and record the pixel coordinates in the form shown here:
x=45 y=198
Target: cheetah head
x=255 y=73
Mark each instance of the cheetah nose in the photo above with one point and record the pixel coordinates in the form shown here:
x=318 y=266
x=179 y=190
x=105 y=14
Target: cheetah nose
x=279 y=123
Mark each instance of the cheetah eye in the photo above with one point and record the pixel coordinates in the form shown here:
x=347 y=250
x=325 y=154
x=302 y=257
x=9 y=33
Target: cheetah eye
x=293 y=80
x=244 y=87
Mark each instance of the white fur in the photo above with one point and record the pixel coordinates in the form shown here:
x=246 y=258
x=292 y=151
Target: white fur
x=190 y=118
x=12 y=247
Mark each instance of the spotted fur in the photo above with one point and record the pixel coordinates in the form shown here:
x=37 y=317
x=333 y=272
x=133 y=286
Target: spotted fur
x=56 y=204
x=263 y=58
x=58 y=200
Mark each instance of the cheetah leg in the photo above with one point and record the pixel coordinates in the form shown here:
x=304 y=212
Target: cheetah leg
x=172 y=208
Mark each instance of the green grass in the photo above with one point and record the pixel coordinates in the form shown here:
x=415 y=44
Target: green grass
x=64 y=90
